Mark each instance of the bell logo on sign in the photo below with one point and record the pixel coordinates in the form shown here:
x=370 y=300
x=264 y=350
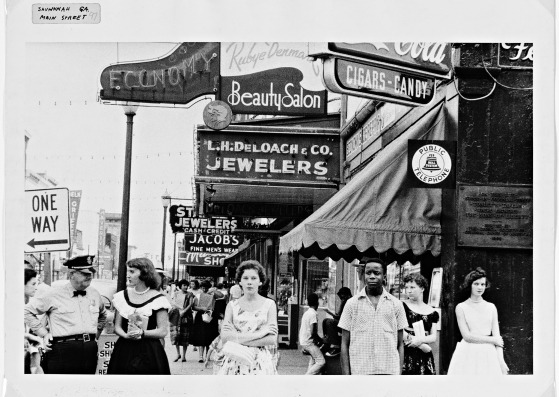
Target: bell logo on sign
x=431 y=164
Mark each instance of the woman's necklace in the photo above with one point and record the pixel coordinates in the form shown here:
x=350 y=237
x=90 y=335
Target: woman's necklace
x=143 y=292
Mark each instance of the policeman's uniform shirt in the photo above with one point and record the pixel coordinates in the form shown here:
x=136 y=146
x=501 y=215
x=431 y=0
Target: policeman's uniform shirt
x=67 y=314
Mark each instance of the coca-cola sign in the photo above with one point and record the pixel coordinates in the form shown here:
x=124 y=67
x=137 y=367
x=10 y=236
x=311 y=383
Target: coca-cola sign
x=433 y=59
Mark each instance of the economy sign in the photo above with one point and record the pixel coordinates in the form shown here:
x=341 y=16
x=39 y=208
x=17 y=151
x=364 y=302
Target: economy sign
x=284 y=155
x=375 y=82
x=191 y=70
x=271 y=78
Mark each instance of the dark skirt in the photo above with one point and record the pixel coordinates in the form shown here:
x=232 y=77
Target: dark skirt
x=138 y=357
x=184 y=330
x=417 y=362
x=203 y=334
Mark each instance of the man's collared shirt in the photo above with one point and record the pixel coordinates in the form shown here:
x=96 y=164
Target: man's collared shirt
x=373 y=345
x=67 y=314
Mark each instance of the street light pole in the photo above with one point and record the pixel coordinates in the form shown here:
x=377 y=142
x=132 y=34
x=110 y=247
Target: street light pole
x=130 y=112
x=166 y=201
x=174 y=255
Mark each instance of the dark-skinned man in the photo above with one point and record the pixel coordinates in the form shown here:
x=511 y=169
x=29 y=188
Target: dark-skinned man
x=372 y=326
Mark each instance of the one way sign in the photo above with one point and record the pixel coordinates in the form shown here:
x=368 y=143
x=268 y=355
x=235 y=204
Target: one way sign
x=47 y=218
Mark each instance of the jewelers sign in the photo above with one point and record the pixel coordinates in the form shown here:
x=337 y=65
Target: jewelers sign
x=282 y=155
x=271 y=78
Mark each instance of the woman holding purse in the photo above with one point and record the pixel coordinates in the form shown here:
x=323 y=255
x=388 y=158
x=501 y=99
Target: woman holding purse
x=250 y=328
x=205 y=328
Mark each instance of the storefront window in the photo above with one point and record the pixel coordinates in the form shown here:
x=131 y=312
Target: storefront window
x=317 y=280
x=395 y=275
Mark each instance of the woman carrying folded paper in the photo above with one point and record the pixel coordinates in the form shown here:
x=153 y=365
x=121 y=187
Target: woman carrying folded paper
x=421 y=333
x=250 y=328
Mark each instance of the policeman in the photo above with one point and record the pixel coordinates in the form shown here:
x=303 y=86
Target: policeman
x=76 y=317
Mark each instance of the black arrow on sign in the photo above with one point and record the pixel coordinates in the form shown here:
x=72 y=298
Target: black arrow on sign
x=33 y=243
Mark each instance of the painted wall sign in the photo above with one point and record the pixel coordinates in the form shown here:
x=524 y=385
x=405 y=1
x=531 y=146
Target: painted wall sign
x=182 y=220
x=495 y=216
x=257 y=210
x=217 y=115
x=431 y=164
x=278 y=156
x=189 y=71
x=271 y=78
x=200 y=259
x=372 y=129
x=433 y=59
x=371 y=81
x=211 y=243
x=516 y=55
x=47 y=223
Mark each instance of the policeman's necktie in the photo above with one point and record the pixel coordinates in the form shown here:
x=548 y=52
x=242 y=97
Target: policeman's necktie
x=76 y=293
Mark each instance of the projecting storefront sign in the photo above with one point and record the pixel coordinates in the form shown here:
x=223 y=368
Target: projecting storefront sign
x=188 y=72
x=253 y=83
x=183 y=221
x=278 y=156
x=516 y=55
x=48 y=220
x=258 y=210
x=214 y=243
x=200 y=259
x=426 y=59
x=372 y=81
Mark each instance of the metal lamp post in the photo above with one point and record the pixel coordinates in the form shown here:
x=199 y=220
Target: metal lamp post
x=130 y=111
x=166 y=201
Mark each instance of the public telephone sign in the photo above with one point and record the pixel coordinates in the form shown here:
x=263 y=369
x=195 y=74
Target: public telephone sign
x=47 y=220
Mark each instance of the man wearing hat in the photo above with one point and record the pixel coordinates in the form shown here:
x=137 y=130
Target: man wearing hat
x=76 y=317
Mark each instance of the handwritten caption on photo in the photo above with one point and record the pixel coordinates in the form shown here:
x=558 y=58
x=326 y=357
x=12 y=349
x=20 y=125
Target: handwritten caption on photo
x=65 y=13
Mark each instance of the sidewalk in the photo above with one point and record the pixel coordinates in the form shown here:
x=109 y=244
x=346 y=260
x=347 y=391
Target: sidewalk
x=292 y=362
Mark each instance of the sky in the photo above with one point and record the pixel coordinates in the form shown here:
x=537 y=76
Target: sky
x=80 y=142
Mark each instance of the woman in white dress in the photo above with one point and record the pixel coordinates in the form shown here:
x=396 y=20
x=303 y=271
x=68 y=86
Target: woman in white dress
x=481 y=350
x=251 y=322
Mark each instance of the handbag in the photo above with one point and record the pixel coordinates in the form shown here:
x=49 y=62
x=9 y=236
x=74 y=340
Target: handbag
x=207 y=317
x=240 y=353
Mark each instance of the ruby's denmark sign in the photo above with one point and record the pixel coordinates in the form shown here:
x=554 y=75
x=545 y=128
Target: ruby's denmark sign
x=271 y=78
x=285 y=155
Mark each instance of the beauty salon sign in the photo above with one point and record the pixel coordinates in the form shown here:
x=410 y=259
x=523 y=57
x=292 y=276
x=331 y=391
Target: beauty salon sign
x=271 y=78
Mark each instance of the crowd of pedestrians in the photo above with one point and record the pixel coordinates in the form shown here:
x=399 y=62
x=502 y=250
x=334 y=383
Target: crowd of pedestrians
x=235 y=328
